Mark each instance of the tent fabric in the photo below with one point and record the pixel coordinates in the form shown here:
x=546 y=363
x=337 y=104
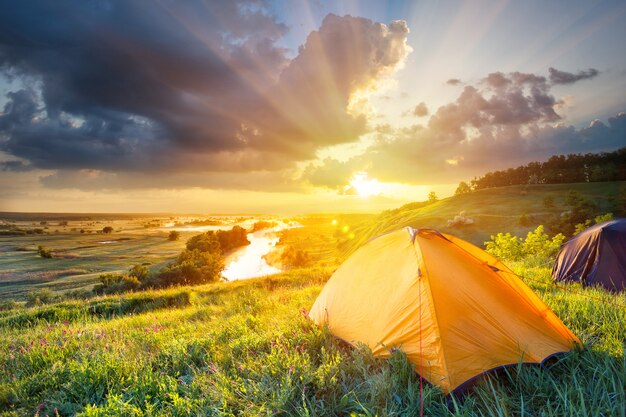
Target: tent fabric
x=595 y=256
x=446 y=303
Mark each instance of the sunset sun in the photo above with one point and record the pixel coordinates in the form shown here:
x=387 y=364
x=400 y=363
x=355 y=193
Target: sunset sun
x=365 y=186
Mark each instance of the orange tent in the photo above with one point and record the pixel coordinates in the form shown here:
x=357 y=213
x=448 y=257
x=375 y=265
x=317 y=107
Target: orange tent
x=454 y=309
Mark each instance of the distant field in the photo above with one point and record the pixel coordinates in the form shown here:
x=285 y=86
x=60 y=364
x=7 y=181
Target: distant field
x=79 y=258
x=247 y=347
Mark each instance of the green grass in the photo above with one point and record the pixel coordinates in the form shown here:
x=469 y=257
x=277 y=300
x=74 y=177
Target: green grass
x=247 y=348
x=78 y=259
x=493 y=210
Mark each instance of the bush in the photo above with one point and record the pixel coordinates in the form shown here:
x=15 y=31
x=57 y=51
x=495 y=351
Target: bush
x=505 y=246
x=44 y=252
x=116 y=283
x=140 y=272
x=174 y=235
x=295 y=258
x=261 y=225
x=221 y=241
x=205 y=242
x=537 y=245
x=603 y=218
x=107 y=229
x=463 y=188
x=231 y=239
x=40 y=297
x=191 y=267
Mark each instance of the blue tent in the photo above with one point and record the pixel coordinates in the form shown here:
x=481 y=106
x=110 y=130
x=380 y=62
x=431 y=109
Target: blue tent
x=596 y=256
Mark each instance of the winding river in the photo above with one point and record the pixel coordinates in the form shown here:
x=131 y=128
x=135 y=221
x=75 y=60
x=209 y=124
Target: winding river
x=248 y=262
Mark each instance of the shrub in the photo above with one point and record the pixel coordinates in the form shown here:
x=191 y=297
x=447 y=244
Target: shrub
x=191 y=267
x=221 y=241
x=116 y=283
x=174 y=235
x=107 y=229
x=231 y=239
x=44 y=252
x=205 y=242
x=463 y=188
x=603 y=218
x=505 y=246
x=262 y=224
x=40 y=297
x=140 y=272
x=295 y=258
x=537 y=245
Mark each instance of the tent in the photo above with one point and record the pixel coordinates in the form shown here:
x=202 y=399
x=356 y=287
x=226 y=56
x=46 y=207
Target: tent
x=454 y=309
x=595 y=256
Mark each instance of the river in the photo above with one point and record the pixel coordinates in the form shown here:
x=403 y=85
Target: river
x=247 y=262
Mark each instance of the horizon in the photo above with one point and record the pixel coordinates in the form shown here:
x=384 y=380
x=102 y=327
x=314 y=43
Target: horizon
x=291 y=108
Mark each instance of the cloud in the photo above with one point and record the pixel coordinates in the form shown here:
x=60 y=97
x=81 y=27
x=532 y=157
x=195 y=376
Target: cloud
x=420 y=110
x=502 y=121
x=14 y=166
x=189 y=87
x=563 y=77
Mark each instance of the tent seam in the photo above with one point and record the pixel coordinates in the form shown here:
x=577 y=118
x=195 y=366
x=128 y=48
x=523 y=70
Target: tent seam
x=442 y=356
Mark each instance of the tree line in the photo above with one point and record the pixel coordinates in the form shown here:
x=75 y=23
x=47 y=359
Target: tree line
x=559 y=169
x=201 y=262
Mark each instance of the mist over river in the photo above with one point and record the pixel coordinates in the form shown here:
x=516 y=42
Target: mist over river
x=248 y=262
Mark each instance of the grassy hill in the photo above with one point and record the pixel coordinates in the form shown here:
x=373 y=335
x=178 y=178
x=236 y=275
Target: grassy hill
x=247 y=348
x=492 y=210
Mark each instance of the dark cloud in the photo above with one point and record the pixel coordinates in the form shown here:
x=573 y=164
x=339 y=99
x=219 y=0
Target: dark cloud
x=180 y=87
x=454 y=81
x=94 y=180
x=563 y=77
x=15 y=166
x=503 y=121
x=420 y=110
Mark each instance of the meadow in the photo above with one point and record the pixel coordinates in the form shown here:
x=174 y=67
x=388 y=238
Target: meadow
x=81 y=252
x=247 y=348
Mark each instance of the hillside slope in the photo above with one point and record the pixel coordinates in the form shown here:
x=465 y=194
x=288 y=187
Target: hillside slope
x=492 y=210
x=247 y=348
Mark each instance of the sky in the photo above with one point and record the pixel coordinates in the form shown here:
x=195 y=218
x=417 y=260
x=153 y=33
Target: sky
x=293 y=106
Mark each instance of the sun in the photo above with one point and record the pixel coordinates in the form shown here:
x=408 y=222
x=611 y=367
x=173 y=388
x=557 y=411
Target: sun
x=365 y=186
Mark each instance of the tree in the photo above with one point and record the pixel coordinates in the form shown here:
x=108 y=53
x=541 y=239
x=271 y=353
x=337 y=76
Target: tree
x=107 y=229
x=44 y=252
x=205 y=242
x=463 y=188
x=174 y=235
x=140 y=272
x=193 y=267
x=231 y=239
x=432 y=197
